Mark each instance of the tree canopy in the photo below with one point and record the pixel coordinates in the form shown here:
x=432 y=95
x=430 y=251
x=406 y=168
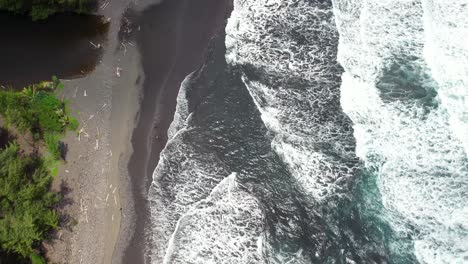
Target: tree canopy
x=26 y=204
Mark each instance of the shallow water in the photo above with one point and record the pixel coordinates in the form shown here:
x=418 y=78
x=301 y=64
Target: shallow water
x=61 y=45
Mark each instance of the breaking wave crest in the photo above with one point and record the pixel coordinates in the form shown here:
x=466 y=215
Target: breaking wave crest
x=288 y=50
x=405 y=89
x=225 y=227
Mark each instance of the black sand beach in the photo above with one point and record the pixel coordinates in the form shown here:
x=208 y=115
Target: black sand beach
x=172 y=40
x=106 y=198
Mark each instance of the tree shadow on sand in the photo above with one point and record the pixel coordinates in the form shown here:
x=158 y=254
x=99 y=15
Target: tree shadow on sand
x=65 y=220
x=63 y=149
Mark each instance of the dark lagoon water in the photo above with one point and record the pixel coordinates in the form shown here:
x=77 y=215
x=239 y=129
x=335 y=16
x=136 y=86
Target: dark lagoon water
x=62 y=45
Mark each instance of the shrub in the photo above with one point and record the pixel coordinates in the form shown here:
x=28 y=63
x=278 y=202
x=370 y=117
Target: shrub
x=26 y=205
x=52 y=142
x=37 y=109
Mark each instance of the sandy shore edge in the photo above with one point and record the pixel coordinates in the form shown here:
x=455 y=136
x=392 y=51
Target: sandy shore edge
x=102 y=197
x=92 y=181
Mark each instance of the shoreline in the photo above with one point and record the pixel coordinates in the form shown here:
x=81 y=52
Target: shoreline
x=168 y=56
x=124 y=118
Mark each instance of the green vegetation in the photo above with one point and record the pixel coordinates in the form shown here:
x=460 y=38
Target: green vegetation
x=41 y=9
x=26 y=205
x=37 y=109
x=27 y=211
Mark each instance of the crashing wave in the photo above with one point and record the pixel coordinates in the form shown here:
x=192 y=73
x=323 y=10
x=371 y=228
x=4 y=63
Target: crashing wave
x=409 y=114
x=287 y=49
x=225 y=227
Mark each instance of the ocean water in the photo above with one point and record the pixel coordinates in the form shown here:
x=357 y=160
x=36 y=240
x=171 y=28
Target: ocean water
x=321 y=132
x=405 y=87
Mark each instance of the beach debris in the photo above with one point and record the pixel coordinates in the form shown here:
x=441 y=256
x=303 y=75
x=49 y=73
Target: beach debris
x=114 y=190
x=82 y=131
x=107 y=197
x=90 y=117
x=125 y=48
x=115 y=200
x=118 y=70
x=85 y=94
x=97 y=145
x=103 y=6
x=96 y=46
x=84 y=209
x=76 y=91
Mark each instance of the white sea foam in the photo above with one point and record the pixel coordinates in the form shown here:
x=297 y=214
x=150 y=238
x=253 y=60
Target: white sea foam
x=182 y=113
x=294 y=44
x=183 y=177
x=222 y=228
x=417 y=151
x=446 y=51
x=199 y=213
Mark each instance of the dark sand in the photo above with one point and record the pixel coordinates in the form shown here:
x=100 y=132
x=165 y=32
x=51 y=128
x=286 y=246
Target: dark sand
x=173 y=41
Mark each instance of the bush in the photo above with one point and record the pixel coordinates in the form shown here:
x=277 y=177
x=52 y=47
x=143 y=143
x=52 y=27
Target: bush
x=36 y=259
x=52 y=142
x=37 y=109
x=26 y=205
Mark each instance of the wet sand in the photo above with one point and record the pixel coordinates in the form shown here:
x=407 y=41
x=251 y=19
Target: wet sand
x=172 y=41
